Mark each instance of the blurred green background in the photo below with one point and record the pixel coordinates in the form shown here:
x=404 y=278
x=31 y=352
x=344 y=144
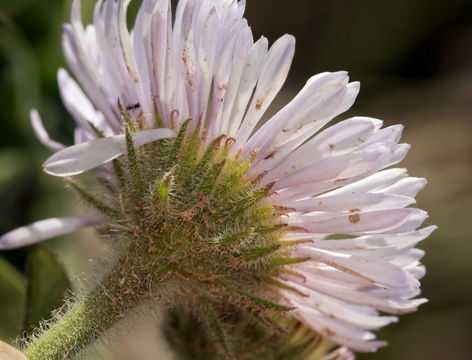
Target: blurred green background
x=414 y=61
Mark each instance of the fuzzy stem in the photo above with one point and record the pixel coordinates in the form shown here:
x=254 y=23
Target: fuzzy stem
x=127 y=284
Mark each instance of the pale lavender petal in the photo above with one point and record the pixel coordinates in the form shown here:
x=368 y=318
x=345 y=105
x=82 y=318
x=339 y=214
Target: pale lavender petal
x=80 y=107
x=85 y=156
x=375 y=181
x=42 y=134
x=375 y=241
x=341 y=138
x=357 y=315
x=47 y=229
x=355 y=289
x=338 y=167
x=354 y=223
x=322 y=98
x=407 y=187
x=253 y=63
x=341 y=333
x=243 y=45
x=412 y=222
x=351 y=202
x=369 y=268
x=270 y=81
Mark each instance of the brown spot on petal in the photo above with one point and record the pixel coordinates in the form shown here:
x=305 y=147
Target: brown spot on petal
x=354 y=210
x=331 y=146
x=354 y=219
x=328 y=332
x=270 y=155
x=259 y=103
x=285 y=130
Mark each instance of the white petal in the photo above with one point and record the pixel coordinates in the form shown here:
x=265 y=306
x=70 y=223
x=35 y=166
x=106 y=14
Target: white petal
x=341 y=333
x=372 y=269
x=364 y=317
x=355 y=223
x=375 y=241
x=46 y=229
x=408 y=186
x=356 y=290
x=317 y=103
x=79 y=106
x=380 y=179
x=338 y=167
x=351 y=202
x=83 y=59
x=338 y=139
x=42 y=134
x=243 y=44
x=85 y=156
x=412 y=222
x=273 y=75
x=252 y=66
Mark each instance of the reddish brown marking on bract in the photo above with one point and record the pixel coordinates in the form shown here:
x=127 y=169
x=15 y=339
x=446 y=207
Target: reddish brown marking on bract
x=354 y=219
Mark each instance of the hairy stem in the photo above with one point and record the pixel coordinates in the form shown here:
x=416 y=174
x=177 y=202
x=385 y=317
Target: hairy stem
x=127 y=284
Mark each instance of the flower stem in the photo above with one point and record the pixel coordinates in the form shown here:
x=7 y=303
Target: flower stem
x=122 y=289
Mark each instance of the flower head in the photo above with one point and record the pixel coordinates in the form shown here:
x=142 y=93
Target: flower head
x=306 y=209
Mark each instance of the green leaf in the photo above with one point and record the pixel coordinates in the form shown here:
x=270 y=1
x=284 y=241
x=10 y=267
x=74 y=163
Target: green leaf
x=12 y=301
x=47 y=286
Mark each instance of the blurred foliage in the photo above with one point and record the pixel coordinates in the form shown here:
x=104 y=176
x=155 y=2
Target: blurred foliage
x=47 y=286
x=12 y=297
x=415 y=62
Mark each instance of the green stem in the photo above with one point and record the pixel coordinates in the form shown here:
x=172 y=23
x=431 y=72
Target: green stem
x=123 y=288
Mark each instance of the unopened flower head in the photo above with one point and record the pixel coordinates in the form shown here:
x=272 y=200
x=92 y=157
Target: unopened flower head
x=282 y=219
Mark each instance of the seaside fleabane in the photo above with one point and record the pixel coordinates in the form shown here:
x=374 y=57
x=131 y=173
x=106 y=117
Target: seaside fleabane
x=286 y=219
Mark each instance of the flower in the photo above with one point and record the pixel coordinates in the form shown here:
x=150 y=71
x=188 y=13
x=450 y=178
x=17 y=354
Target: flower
x=348 y=231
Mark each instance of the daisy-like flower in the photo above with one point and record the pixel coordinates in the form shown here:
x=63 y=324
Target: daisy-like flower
x=310 y=209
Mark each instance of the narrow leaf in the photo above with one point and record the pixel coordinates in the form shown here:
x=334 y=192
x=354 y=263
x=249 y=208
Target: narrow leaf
x=133 y=166
x=92 y=200
x=256 y=299
x=177 y=145
x=207 y=157
x=257 y=252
